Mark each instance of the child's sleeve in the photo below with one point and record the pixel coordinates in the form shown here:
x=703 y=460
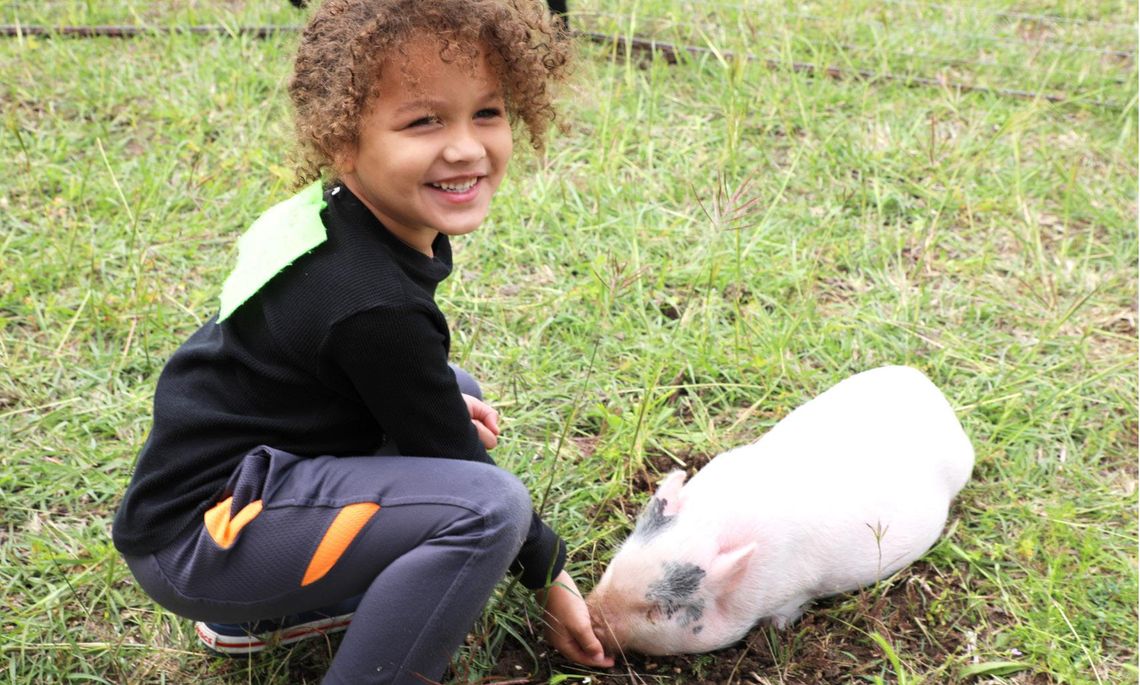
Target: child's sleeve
x=541 y=558
x=397 y=362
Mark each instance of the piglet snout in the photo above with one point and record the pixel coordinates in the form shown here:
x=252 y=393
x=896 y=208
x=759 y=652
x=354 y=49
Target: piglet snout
x=600 y=624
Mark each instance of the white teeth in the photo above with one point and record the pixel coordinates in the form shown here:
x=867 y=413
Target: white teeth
x=456 y=187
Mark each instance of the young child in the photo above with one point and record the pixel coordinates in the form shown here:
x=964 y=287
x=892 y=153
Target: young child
x=312 y=450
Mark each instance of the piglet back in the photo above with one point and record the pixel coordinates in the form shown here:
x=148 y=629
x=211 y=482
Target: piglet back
x=880 y=429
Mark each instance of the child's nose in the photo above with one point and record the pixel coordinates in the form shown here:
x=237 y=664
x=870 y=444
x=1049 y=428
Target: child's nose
x=464 y=146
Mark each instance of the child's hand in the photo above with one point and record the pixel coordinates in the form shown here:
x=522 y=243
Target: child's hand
x=567 y=623
x=486 y=421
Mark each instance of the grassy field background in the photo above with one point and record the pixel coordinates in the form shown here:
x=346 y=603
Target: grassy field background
x=704 y=246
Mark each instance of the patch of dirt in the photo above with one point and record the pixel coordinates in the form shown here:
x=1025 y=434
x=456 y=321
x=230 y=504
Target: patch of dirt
x=832 y=643
x=657 y=465
x=644 y=480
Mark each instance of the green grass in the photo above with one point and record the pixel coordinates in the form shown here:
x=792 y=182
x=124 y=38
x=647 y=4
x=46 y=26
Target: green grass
x=704 y=247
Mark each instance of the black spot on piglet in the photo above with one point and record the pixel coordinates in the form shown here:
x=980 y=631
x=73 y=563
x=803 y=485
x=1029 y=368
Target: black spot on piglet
x=679 y=580
x=674 y=590
x=653 y=519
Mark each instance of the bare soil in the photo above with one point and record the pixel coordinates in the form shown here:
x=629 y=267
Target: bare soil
x=828 y=645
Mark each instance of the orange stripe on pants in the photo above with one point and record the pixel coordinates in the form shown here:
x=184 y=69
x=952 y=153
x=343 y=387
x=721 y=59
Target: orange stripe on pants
x=224 y=529
x=340 y=534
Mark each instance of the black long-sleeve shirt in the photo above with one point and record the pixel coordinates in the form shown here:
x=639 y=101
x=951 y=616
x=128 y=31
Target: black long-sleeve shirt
x=337 y=353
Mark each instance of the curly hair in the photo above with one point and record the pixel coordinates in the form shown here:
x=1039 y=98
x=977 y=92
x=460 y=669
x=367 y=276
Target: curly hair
x=348 y=42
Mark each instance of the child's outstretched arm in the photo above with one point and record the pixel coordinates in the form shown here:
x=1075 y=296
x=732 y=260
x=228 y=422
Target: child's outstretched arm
x=567 y=623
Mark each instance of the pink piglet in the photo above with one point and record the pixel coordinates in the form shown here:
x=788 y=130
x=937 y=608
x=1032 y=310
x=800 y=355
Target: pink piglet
x=846 y=490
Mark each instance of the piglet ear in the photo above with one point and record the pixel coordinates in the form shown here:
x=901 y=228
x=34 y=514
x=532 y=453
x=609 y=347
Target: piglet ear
x=669 y=492
x=728 y=567
x=661 y=511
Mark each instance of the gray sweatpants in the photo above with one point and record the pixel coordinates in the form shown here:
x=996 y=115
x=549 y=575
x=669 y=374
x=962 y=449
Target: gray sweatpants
x=423 y=540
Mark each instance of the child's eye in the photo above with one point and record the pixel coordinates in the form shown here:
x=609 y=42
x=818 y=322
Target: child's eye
x=489 y=113
x=424 y=121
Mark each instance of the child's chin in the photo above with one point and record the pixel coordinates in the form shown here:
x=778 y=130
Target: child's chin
x=462 y=225
x=461 y=229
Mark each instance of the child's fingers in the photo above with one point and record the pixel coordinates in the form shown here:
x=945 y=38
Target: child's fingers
x=570 y=648
x=491 y=419
x=486 y=437
x=568 y=625
x=590 y=649
x=483 y=413
x=582 y=634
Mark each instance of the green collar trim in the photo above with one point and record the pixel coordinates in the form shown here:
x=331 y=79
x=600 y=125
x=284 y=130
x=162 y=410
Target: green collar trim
x=285 y=232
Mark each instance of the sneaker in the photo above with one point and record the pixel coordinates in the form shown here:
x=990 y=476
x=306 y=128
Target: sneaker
x=249 y=638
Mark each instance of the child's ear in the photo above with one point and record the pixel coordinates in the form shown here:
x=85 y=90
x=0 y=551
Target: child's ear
x=345 y=161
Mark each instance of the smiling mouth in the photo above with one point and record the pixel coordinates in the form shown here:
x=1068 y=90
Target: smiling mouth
x=456 y=186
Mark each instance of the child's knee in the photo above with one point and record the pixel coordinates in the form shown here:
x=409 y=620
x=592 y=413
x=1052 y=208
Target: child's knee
x=508 y=503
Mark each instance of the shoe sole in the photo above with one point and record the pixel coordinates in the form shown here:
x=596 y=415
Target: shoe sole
x=251 y=644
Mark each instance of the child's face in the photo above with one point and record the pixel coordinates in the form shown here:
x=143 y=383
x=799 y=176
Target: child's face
x=431 y=153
